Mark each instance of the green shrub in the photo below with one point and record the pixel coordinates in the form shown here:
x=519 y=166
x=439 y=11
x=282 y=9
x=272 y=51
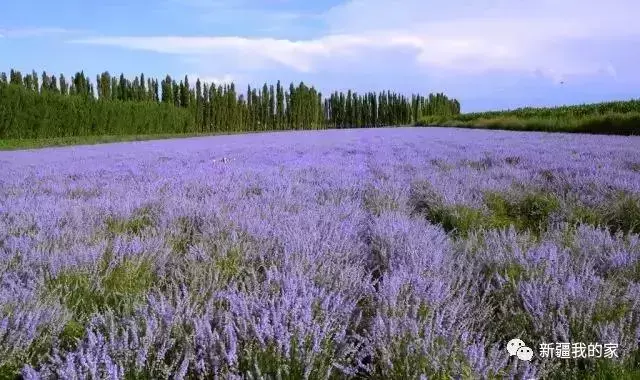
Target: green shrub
x=620 y=214
x=623 y=214
x=615 y=118
x=529 y=213
x=459 y=220
x=140 y=220
x=116 y=288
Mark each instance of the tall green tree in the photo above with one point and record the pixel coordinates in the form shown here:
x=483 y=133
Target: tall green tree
x=199 y=105
x=184 y=92
x=264 y=107
x=279 y=106
x=167 y=90
x=46 y=85
x=142 y=91
x=15 y=77
x=272 y=108
x=176 y=93
x=211 y=107
x=64 y=86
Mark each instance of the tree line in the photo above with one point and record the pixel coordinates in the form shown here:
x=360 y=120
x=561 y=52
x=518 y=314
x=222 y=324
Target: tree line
x=38 y=106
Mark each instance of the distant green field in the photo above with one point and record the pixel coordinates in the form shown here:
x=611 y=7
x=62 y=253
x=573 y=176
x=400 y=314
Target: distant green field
x=15 y=144
x=615 y=118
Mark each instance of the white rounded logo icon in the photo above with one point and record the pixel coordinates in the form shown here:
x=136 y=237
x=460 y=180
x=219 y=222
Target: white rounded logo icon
x=525 y=353
x=514 y=345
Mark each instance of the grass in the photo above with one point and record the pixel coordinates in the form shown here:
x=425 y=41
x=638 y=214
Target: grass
x=116 y=287
x=18 y=144
x=620 y=214
x=608 y=124
x=133 y=226
x=530 y=212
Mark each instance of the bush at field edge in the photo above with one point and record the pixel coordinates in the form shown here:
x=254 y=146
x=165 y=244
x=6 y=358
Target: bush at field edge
x=610 y=124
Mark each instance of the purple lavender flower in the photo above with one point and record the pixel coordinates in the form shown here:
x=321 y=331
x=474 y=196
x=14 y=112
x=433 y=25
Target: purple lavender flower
x=317 y=255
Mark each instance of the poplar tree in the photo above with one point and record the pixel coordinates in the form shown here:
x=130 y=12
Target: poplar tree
x=251 y=113
x=205 y=107
x=34 y=76
x=64 y=86
x=199 y=108
x=122 y=88
x=208 y=108
x=53 y=82
x=264 y=107
x=28 y=82
x=176 y=93
x=16 y=77
x=279 y=106
x=46 y=86
x=167 y=91
x=184 y=92
x=272 y=108
x=142 y=91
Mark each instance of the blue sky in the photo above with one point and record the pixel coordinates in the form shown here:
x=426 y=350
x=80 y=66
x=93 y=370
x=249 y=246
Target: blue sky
x=489 y=54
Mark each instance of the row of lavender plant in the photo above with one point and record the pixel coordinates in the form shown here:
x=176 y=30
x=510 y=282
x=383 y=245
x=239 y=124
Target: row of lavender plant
x=398 y=253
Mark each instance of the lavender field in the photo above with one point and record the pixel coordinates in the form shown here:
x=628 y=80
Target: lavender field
x=376 y=253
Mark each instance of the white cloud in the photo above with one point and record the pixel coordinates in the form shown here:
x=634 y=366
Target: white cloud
x=461 y=37
x=255 y=16
x=298 y=55
x=217 y=80
x=478 y=36
x=33 y=32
